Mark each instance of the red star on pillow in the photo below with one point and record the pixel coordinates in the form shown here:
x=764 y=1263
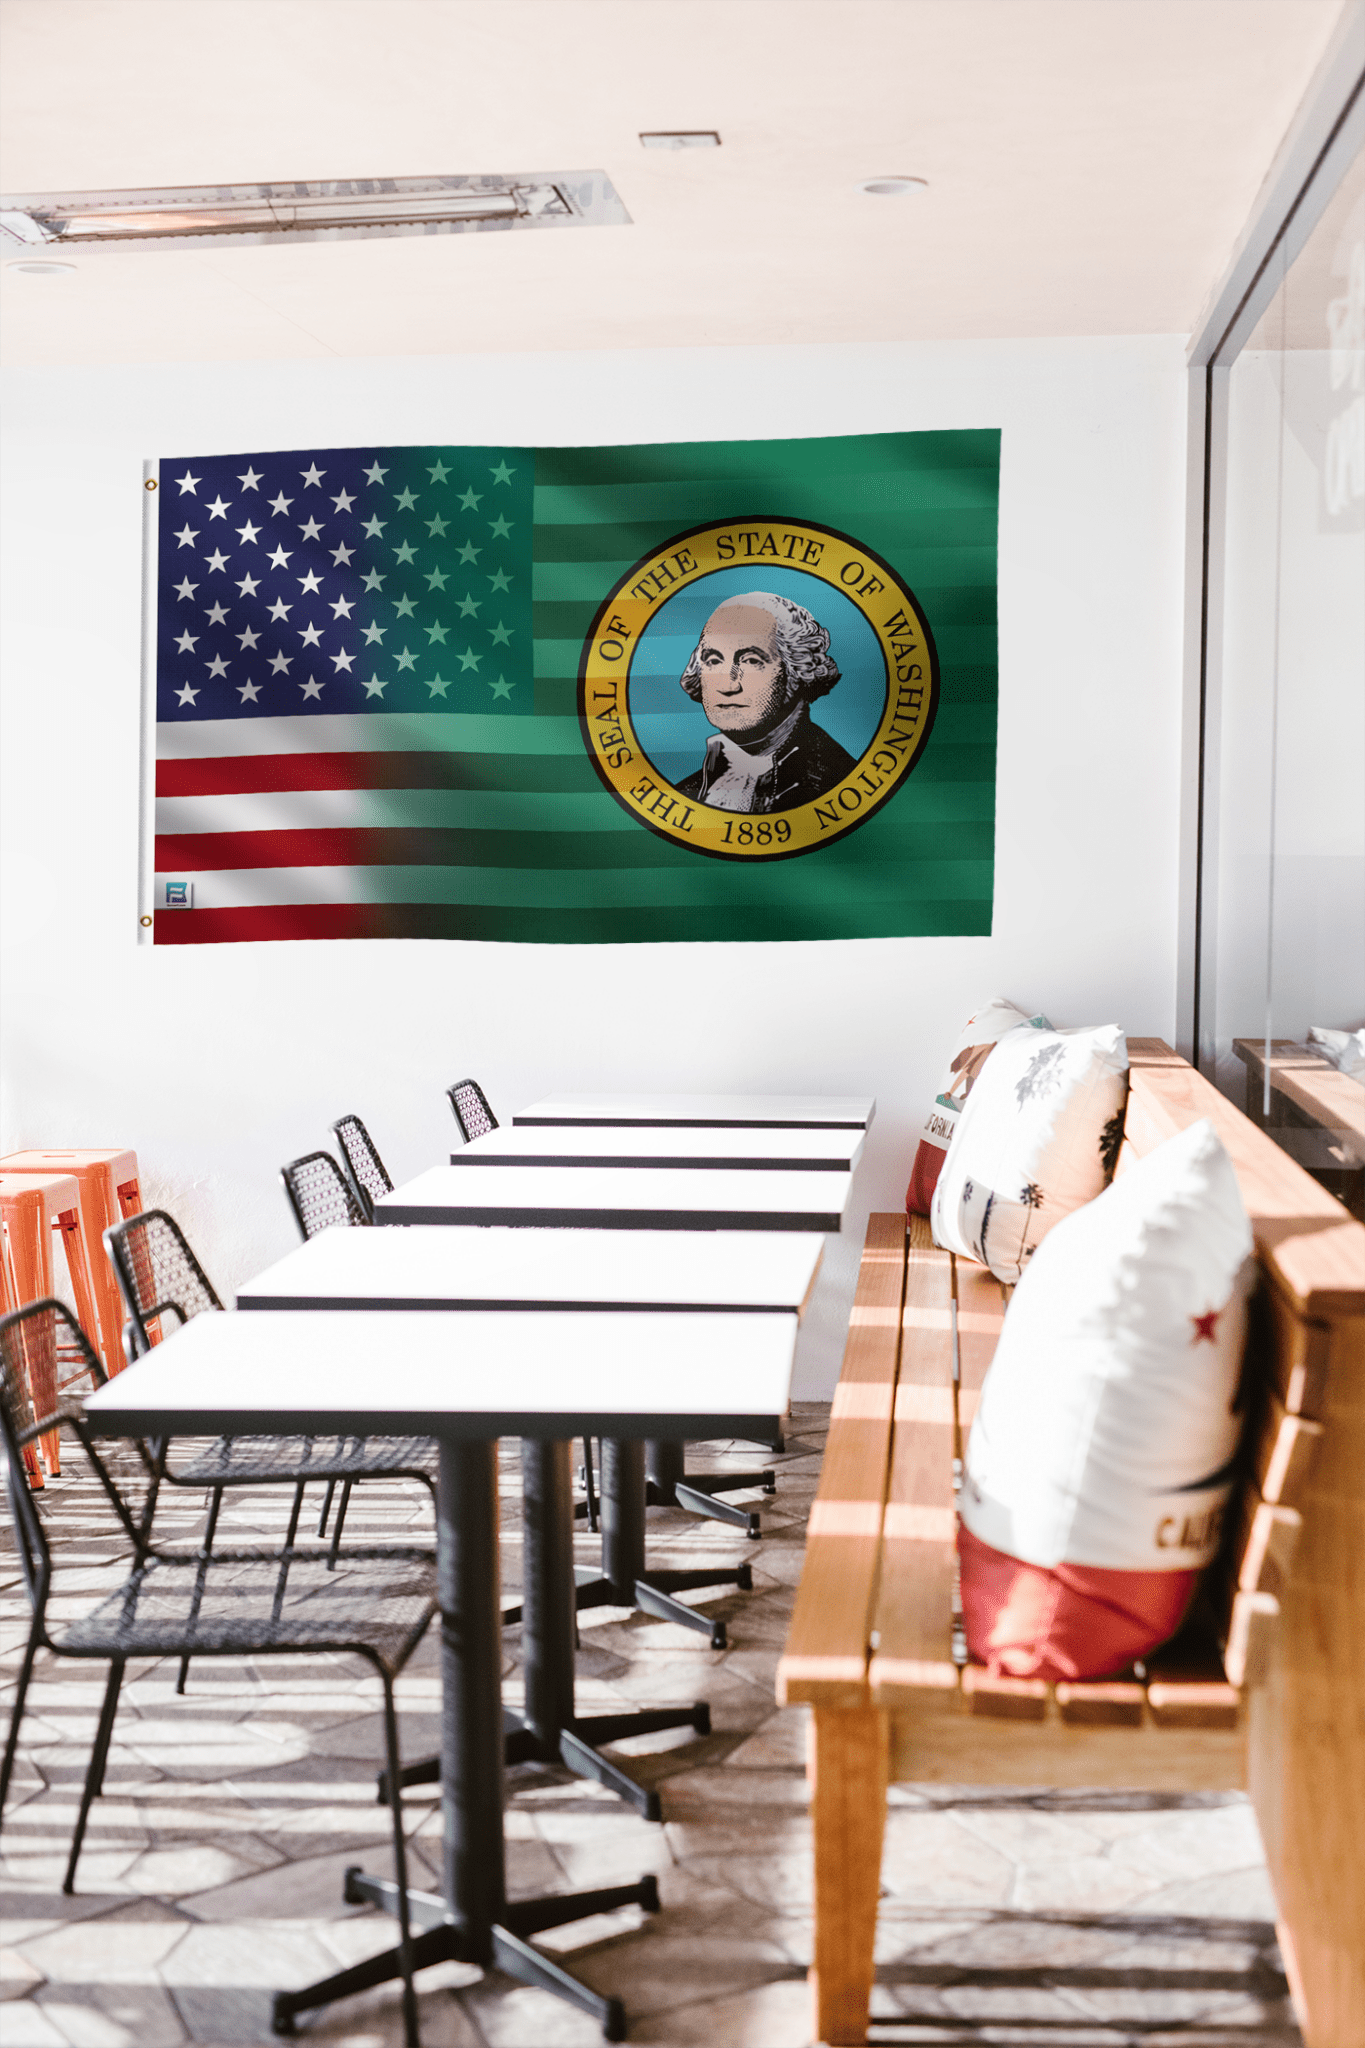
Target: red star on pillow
x=1204 y=1326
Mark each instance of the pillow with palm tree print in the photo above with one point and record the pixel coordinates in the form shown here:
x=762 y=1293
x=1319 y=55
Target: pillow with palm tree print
x=1038 y=1136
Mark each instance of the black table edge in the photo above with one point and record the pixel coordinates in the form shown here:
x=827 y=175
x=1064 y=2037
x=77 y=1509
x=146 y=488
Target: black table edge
x=482 y=1427
x=471 y=1157
x=470 y=1213
x=458 y=1304
x=683 y=1123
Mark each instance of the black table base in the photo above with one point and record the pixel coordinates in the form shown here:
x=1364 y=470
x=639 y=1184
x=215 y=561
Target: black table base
x=556 y=1734
x=625 y=1580
x=550 y=1730
x=473 y=1921
x=438 y=1939
x=668 y=1484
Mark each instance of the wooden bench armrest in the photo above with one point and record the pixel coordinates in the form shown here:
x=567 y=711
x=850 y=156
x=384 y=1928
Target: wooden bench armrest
x=1307 y=1241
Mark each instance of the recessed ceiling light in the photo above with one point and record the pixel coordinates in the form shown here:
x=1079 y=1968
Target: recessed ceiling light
x=43 y=269
x=334 y=210
x=893 y=188
x=679 y=138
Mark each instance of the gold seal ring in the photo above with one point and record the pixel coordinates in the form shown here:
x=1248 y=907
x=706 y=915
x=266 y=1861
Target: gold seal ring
x=780 y=824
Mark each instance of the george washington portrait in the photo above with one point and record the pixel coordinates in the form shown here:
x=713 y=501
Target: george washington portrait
x=759 y=665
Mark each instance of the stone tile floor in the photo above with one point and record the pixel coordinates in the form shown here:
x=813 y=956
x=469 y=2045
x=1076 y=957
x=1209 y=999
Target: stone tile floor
x=213 y=1866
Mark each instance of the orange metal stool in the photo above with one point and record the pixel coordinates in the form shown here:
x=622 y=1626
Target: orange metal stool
x=32 y=1206
x=109 y=1192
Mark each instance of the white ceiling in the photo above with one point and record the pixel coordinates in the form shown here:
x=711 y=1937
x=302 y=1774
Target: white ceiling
x=1090 y=164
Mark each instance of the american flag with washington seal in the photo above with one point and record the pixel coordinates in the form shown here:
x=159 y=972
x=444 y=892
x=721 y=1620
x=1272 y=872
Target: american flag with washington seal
x=367 y=666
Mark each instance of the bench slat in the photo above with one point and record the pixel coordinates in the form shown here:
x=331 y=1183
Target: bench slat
x=825 y=1661
x=913 y=1619
x=1193 y=1703
x=1251 y=1638
x=1101 y=1703
x=1187 y=1686
x=998 y=1698
x=981 y=1303
x=1286 y=1446
x=1264 y=1552
x=1299 y=1350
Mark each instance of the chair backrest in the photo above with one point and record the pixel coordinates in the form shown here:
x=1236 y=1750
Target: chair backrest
x=319 y=1194
x=31 y=1340
x=45 y=1328
x=368 y=1171
x=157 y=1274
x=470 y=1106
x=24 y=1333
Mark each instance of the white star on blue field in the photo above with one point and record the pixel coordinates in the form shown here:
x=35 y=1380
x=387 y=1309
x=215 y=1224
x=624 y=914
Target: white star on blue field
x=344 y=580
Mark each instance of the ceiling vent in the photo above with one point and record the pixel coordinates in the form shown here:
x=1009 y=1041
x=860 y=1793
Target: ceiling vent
x=679 y=138
x=336 y=210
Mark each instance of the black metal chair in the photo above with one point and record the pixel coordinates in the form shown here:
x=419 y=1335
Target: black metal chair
x=369 y=1175
x=47 y=1355
x=469 y=1105
x=239 y=1603
x=159 y=1276
x=320 y=1194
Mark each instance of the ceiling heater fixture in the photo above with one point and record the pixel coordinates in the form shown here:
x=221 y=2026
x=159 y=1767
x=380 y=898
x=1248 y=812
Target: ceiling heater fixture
x=679 y=138
x=335 y=210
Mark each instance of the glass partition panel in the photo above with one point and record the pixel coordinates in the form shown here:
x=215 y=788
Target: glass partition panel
x=1289 y=817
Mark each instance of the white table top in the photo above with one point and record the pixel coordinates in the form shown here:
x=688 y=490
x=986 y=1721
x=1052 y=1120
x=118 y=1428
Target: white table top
x=469 y=1377
x=721 y=1112
x=776 y=1147
x=447 y=1267
x=619 y=1198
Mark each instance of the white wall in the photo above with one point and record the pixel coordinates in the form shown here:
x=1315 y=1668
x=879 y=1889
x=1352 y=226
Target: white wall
x=219 y=1062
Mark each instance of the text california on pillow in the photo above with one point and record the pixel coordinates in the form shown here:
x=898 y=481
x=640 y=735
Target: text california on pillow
x=1038 y=1136
x=1108 y=1426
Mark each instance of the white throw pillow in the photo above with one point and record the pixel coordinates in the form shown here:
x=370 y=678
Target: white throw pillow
x=983 y=1029
x=1345 y=1049
x=1107 y=1427
x=1039 y=1134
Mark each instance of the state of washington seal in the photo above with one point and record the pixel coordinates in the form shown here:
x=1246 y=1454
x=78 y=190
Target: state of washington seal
x=755 y=688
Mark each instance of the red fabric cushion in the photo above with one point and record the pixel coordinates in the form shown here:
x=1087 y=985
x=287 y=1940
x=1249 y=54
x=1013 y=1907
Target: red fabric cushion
x=1067 y=1620
x=924 y=1176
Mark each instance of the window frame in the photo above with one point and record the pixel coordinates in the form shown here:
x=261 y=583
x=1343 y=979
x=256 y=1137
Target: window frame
x=1322 y=143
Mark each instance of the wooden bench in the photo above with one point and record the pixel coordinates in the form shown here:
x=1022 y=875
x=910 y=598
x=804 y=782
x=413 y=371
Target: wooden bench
x=1266 y=1690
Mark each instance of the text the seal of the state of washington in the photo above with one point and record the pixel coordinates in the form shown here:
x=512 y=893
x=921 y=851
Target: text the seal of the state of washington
x=756 y=688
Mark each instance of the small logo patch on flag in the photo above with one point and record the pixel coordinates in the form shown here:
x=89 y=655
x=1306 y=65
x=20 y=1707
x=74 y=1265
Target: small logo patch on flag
x=176 y=896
